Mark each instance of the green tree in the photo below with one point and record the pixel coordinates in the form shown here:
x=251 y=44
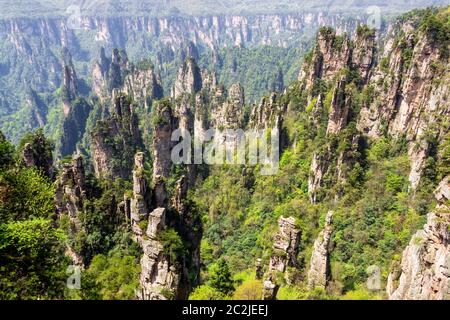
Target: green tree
x=205 y=292
x=32 y=261
x=6 y=152
x=220 y=277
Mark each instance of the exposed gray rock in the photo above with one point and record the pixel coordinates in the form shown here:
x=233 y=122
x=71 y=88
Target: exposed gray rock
x=319 y=270
x=140 y=201
x=189 y=79
x=159 y=279
x=162 y=148
x=70 y=195
x=285 y=250
x=115 y=140
x=425 y=266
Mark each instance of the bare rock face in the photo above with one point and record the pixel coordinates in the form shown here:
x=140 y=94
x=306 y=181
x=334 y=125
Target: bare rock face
x=411 y=93
x=285 y=250
x=69 y=197
x=425 y=266
x=159 y=278
x=230 y=114
x=162 y=148
x=363 y=54
x=267 y=114
x=115 y=141
x=140 y=82
x=143 y=85
x=339 y=108
x=189 y=79
x=140 y=201
x=319 y=271
x=70 y=81
x=36 y=108
x=35 y=155
x=331 y=55
x=75 y=108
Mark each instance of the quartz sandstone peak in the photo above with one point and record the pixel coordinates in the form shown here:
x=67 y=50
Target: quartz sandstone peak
x=425 y=266
x=285 y=250
x=319 y=271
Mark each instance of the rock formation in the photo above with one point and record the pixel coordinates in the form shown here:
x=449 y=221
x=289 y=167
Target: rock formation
x=319 y=270
x=36 y=108
x=189 y=79
x=267 y=114
x=425 y=266
x=159 y=278
x=162 y=148
x=411 y=91
x=165 y=274
x=140 y=202
x=69 y=198
x=285 y=250
x=75 y=108
x=69 y=91
x=331 y=54
x=339 y=108
x=138 y=81
x=115 y=140
x=35 y=154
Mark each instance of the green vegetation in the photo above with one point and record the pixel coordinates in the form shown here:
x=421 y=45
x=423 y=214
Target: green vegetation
x=32 y=261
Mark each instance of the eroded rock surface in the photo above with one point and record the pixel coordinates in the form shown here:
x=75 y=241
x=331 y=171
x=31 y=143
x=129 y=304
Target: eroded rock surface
x=425 y=266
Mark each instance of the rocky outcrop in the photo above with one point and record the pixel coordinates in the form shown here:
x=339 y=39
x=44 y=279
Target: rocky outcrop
x=75 y=108
x=331 y=55
x=114 y=140
x=285 y=250
x=166 y=275
x=189 y=79
x=165 y=123
x=35 y=154
x=74 y=126
x=363 y=53
x=319 y=270
x=143 y=85
x=36 y=109
x=268 y=113
x=160 y=277
x=340 y=105
x=140 y=202
x=138 y=81
x=412 y=84
x=230 y=113
x=425 y=266
x=70 y=195
x=69 y=90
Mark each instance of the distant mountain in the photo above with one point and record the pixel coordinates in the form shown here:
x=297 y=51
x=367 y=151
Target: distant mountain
x=40 y=8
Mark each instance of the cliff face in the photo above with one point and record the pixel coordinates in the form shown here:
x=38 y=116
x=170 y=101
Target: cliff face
x=425 y=266
x=69 y=198
x=115 y=140
x=319 y=271
x=412 y=84
x=285 y=250
x=75 y=108
x=140 y=82
x=403 y=94
x=36 y=155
